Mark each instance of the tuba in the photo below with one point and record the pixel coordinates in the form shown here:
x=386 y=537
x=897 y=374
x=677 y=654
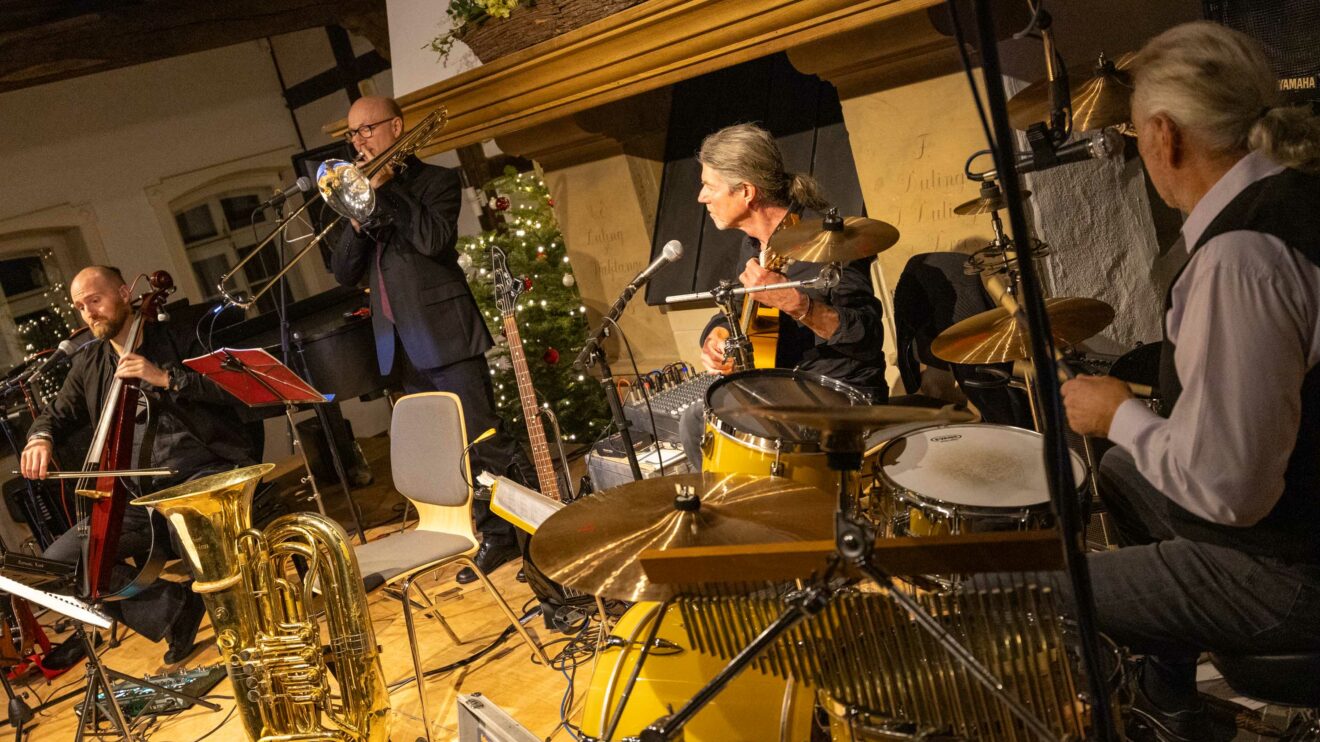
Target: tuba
x=270 y=646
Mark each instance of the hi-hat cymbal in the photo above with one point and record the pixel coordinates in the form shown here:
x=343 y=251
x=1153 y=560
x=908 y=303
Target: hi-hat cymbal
x=1099 y=101
x=593 y=544
x=809 y=242
x=855 y=419
x=991 y=199
x=994 y=336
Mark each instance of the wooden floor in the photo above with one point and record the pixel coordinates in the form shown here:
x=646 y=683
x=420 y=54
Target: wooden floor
x=529 y=692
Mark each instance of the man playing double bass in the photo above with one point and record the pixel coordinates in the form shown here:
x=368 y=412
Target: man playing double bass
x=183 y=422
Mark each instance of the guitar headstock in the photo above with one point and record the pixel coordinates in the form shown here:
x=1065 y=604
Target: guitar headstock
x=507 y=287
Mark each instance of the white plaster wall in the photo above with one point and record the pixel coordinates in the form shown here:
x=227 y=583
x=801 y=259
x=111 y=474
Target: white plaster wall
x=413 y=24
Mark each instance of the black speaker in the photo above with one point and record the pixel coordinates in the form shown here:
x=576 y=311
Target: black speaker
x=1288 y=30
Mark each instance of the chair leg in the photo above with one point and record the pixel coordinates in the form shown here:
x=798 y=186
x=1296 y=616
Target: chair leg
x=508 y=612
x=418 y=675
x=434 y=610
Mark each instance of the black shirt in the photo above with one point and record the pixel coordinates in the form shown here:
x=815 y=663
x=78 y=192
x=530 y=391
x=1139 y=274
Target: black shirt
x=193 y=429
x=854 y=354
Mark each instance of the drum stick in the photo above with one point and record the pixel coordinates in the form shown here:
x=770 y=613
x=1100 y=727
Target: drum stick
x=1022 y=369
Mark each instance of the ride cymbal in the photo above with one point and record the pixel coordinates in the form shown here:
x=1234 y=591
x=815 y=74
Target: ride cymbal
x=994 y=336
x=849 y=238
x=593 y=544
x=1099 y=101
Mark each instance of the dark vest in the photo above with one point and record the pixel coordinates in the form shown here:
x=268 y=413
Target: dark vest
x=1287 y=206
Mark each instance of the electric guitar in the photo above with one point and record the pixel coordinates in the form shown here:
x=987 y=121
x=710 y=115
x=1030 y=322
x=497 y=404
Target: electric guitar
x=761 y=323
x=507 y=291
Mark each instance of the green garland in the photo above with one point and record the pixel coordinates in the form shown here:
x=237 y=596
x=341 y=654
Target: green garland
x=552 y=320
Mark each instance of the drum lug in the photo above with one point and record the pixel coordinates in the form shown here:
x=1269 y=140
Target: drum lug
x=777 y=466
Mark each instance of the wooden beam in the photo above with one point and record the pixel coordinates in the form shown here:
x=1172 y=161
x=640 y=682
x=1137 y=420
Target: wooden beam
x=77 y=38
x=646 y=47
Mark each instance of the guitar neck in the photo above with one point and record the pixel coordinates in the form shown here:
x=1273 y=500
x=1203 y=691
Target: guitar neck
x=545 y=470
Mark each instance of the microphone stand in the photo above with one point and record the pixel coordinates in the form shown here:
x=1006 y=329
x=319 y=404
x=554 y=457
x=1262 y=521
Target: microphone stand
x=1058 y=465
x=593 y=354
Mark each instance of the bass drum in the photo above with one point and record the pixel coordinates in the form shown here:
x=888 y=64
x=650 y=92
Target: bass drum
x=738 y=443
x=672 y=673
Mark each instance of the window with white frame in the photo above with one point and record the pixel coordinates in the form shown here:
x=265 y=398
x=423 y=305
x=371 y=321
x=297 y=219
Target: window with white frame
x=221 y=230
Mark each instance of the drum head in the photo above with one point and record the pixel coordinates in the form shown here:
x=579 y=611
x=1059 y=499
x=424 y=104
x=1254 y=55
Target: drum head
x=777 y=386
x=979 y=466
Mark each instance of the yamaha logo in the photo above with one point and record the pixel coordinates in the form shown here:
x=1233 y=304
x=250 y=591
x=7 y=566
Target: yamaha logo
x=946 y=438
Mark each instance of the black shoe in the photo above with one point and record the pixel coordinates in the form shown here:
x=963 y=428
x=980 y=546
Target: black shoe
x=1147 y=721
x=182 y=634
x=489 y=558
x=68 y=653
x=521 y=576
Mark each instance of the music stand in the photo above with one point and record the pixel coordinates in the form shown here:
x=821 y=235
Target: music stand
x=98 y=675
x=258 y=379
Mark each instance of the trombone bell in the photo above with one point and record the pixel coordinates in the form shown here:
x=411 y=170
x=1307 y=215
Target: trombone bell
x=346 y=189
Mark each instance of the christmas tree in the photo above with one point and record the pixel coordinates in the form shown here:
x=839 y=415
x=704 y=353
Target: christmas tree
x=551 y=318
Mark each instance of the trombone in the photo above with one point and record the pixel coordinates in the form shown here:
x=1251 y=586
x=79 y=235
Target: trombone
x=345 y=188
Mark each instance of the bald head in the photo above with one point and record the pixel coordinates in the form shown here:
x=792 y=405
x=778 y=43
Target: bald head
x=375 y=122
x=100 y=295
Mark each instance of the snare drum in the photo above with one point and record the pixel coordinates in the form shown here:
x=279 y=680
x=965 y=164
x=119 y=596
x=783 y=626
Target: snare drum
x=737 y=443
x=968 y=478
x=672 y=673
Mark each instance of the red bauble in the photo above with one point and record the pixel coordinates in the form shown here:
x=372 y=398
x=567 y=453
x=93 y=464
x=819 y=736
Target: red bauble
x=502 y=203
x=527 y=283
x=550 y=201
x=551 y=356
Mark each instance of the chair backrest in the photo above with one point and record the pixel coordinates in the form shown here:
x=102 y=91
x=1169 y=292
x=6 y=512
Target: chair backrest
x=427 y=438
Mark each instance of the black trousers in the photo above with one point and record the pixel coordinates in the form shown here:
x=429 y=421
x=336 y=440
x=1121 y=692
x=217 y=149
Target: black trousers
x=1171 y=599
x=502 y=454
x=152 y=612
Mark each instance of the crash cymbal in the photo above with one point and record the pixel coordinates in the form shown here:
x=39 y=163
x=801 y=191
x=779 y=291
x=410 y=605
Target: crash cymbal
x=856 y=419
x=994 y=336
x=593 y=544
x=991 y=199
x=1105 y=99
x=817 y=241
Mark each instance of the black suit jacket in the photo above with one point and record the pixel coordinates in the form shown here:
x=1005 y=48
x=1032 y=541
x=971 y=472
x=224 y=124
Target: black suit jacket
x=435 y=314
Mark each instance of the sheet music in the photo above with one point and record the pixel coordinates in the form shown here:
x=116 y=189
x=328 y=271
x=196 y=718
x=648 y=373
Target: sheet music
x=61 y=604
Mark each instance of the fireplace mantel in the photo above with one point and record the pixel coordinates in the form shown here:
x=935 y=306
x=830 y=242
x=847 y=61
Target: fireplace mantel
x=643 y=48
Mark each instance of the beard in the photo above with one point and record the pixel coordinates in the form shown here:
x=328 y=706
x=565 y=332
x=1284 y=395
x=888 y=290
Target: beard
x=108 y=327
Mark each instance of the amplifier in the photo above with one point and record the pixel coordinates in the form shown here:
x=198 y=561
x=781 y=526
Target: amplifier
x=1288 y=32
x=667 y=405
x=608 y=465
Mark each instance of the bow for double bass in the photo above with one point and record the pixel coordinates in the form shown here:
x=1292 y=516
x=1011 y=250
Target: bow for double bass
x=109 y=458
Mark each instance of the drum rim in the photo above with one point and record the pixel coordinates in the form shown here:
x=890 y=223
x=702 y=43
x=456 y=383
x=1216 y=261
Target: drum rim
x=774 y=445
x=949 y=509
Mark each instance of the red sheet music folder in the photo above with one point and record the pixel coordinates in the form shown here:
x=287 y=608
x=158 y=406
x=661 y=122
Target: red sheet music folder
x=254 y=376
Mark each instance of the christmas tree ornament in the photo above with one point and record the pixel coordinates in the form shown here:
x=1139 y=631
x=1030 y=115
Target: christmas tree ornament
x=551 y=356
x=465 y=262
x=502 y=203
x=569 y=280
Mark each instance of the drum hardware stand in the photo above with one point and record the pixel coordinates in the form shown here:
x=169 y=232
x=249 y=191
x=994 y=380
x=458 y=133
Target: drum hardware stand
x=854 y=543
x=1058 y=464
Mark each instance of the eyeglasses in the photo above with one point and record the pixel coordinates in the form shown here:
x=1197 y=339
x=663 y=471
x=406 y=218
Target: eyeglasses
x=364 y=130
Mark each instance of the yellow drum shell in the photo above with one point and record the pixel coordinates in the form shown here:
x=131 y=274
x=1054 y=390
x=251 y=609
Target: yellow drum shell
x=754 y=707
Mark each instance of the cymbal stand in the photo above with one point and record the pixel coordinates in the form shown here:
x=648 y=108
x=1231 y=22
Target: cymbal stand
x=854 y=539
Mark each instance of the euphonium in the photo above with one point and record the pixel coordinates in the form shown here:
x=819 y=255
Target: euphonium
x=269 y=645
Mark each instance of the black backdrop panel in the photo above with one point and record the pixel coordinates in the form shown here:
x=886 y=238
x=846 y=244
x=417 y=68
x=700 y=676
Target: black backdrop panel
x=802 y=112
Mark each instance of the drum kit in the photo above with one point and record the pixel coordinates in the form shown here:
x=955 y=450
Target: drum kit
x=793 y=460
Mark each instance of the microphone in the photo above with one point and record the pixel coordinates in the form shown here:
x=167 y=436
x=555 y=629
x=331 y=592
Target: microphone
x=673 y=250
x=301 y=185
x=65 y=349
x=1100 y=145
